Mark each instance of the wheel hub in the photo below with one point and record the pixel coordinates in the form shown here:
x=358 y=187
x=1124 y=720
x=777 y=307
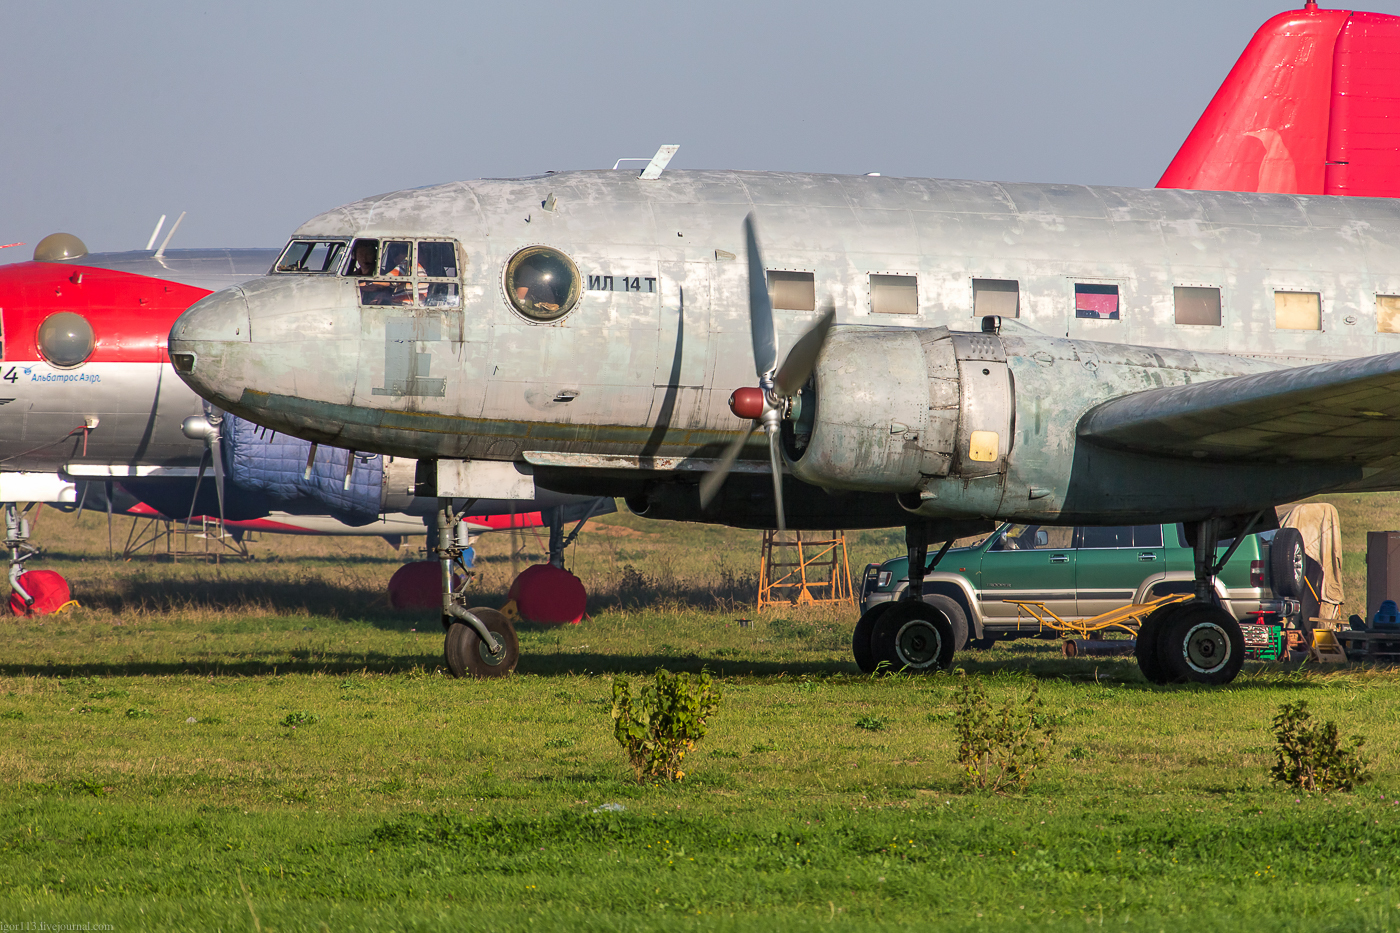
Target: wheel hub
x=1206 y=647
x=919 y=644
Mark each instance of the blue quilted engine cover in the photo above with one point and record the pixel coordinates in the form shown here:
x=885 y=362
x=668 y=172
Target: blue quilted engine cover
x=273 y=464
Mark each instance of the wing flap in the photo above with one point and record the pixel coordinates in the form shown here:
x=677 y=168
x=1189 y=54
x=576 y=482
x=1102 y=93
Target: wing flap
x=1345 y=410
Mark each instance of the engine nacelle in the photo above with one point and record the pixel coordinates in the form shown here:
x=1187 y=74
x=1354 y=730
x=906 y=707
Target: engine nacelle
x=889 y=408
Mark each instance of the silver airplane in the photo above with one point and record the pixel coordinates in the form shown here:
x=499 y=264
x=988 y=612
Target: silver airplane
x=1040 y=353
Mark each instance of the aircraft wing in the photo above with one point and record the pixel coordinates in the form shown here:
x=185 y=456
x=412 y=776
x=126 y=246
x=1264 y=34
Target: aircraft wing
x=1347 y=410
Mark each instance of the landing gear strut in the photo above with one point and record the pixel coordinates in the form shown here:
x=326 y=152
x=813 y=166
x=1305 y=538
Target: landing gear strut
x=17 y=543
x=916 y=633
x=1196 y=641
x=480 y=642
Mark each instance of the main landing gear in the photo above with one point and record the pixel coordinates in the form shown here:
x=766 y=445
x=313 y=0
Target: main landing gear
x=480 y=642
x=1197 y=641
x=917 y=633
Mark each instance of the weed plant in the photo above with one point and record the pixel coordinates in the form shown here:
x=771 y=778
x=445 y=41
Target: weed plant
x=1311 y=755
x=663 y=723
x=999 y=750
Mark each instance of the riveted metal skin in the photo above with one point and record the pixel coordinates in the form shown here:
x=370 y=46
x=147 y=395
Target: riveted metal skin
x=642 y=368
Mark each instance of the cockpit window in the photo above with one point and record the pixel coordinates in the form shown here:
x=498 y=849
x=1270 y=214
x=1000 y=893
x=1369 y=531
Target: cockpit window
x=406 y=272
x=393 y=259
x=311 y=256
x=542 y=283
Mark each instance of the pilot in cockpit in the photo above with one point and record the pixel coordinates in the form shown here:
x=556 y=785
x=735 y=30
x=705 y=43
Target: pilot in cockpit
x=365 y=258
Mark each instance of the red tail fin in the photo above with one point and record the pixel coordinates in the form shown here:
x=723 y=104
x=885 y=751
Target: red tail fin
x=1311 y=107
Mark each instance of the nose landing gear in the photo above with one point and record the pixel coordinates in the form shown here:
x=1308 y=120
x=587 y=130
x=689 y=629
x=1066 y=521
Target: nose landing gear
x=480 y=642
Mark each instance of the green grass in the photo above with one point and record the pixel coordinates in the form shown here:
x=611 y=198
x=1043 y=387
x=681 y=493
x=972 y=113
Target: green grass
x=333 y=777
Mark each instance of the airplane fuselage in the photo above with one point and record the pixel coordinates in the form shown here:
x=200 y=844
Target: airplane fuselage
x=1103 y=291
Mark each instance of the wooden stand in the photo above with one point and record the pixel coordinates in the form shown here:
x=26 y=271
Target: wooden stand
x=1377 y=647
x=798 y=571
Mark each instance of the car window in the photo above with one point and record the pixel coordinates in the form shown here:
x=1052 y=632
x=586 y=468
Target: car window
x=1121 y=536
x=1033 y=538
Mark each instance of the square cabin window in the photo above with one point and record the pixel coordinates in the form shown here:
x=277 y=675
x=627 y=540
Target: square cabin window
x=1297 y=311
x=1096 y=302
x=1388 y=314
x=793 y=291
x=1001 y=297
x=1196 y=305
x=894 y=294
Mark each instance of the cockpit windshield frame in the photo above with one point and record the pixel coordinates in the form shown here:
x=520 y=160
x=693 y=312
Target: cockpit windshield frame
x=421 y=272
x=312 y=256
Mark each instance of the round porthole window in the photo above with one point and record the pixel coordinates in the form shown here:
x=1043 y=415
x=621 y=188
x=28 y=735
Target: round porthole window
x=542 y=283
x=66 y=339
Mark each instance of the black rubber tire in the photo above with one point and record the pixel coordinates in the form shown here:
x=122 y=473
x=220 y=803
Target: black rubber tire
x=956 y=618
x=1201 y=644
x=860 y=638
x=468 y=656
x=1147 y=649
x=914 y=636
x=1288 y=564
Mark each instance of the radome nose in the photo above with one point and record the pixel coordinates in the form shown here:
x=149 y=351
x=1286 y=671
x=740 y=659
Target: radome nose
x=222 y=316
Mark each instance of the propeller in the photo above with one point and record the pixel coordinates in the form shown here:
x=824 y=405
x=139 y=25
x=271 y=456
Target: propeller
x=768 y=404
x=206 y=428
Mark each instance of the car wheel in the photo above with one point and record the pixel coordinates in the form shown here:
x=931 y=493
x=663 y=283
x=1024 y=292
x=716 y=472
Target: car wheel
x=914 y=636
x=860 y=638
x=1288 y=563
x=1201 y=644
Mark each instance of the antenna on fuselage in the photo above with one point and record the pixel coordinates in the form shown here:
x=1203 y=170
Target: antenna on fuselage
x=655 y=165
x=151 y=243
x=160 y=253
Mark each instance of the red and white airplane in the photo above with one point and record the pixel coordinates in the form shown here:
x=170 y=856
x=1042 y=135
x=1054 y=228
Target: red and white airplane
x=92 y=415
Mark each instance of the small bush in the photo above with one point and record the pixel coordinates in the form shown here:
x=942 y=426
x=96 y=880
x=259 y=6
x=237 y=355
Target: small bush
x=999 y=750
x=1311 y=756
x=299 y=718
x=663 y=723
x=134 y=713
x=871 y=723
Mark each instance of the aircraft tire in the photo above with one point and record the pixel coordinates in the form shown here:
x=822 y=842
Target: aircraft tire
x=860 y=638
x=1147 y=650
x=915 y=636
x=468 y=656
x=1201 y=644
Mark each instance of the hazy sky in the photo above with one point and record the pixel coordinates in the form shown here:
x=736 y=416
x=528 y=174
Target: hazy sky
x=255 y=116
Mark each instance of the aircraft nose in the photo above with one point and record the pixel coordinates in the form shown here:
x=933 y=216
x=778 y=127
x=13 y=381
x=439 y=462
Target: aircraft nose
x=221 y=316
x=201 y=337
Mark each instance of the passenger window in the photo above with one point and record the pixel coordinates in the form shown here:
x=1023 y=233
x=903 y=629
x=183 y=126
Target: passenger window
x=1197 y=305
x=1034 y=538
x=793 y=291
x=1147 y=536
x=894 y=294
x=1388 y=314
x=1096 y=301
x=1119 y=536
x=1297 y=311
x=1001 y=297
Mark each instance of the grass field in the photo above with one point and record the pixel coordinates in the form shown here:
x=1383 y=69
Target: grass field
x=334 y=778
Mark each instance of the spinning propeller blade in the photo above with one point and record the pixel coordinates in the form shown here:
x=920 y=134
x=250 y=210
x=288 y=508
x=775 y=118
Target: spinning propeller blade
x=713 y=480
x=776 y=384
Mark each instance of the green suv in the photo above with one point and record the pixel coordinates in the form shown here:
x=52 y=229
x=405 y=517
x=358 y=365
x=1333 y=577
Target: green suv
x=1082 y=572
